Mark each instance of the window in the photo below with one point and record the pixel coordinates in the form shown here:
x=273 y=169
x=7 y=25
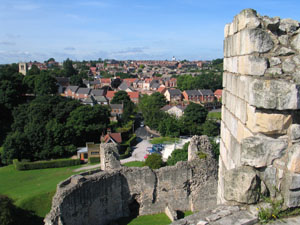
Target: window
x=94 y=153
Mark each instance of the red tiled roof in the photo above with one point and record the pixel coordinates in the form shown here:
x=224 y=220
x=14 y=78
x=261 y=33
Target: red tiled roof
x=133 y=94
x=115 y=136
x=218 y=92
x=110 y=94
x=161 y=89
x=105 y=80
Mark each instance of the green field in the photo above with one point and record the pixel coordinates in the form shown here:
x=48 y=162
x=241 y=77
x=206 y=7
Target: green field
x=32 y=189
x=134 y=164
x=164 y=140
x=214 y=115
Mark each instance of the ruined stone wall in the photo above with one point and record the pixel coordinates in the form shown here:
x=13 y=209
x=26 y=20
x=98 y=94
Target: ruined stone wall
x=103 y=196
x=260 y=131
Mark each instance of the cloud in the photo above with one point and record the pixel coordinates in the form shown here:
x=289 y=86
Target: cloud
x=130 y=51
x=7 y=43
x=70 y=48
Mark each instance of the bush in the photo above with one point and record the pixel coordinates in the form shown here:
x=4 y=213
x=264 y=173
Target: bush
x=154 y=161
x=176 y=156
x=94 y=159
x=126 y=154
x=45 y=164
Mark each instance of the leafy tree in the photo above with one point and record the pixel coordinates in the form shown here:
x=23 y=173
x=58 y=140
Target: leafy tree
x=210 y=128
x=194 y=116
x=7 y=211
x=115 y=83
x=76 y=80
x=169 y=126
x=178 y=155
x=34 y=70
x=68 y=67
x=121 y=97
x=154 y=161
x=45 y=84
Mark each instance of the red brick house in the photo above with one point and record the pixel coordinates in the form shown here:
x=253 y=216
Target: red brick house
x=134 y=96
x=218 y=94
x=110 y=95
x=70 y=91
x=105 y=82
x=192 y=96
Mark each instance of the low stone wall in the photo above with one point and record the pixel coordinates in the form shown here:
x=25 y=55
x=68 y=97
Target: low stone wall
x=260 y=130
x=101 y=197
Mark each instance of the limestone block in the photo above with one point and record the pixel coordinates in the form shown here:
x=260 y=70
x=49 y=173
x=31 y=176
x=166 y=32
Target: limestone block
x=241 y=185
x=293 y=164
x=171 y=213
x=268 y=175
x=228 y=81
x=271 y=23
x=294 y=132
x=252 y=41
x=231 y=65
x=274 y=71
x=274 y=61
x=234 y=85
x=283 y=51
x=296 y=76
x=224 y=75
x=288 y=65
x=252 y=65
x=296 y=42
x=246 y=19
x=221 y=174
x=288 y=25
x=267 y=123
x=273 y=94
x=109 y=156
x=243 y=87
x=296 y=59
x=243 y=132
x=291 y=192
x=260 y=151
x=226 y=30
x=283 y=39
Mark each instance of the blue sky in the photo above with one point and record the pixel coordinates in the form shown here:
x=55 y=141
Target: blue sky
x=123 y=29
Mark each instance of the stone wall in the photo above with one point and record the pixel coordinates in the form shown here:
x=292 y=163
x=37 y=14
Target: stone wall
x=260 y=131
x=103 y=196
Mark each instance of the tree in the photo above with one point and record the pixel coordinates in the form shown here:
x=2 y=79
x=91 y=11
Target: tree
x=176 y=156
x=115 y=83
x=121 y=97
x=194 y=116
x=77 y=81
x=34 y=70
x=210 y=128
x=154 y=161
x=45 y=84
x=68 y=67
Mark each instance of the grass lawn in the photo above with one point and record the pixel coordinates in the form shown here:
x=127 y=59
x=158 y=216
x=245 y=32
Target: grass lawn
x=135 y=164
x=33 y=189
x=214 y=115
x=163 y=140
x=157 y=219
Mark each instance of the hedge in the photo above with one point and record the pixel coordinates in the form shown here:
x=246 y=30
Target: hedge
x=45 y=164
x=94 y=159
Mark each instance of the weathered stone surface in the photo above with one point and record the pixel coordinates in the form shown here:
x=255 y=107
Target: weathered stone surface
x=283 y=39
x=252 y=65
x=294 y=157
x=268 y=175
x=199 y=144
x=288 y=25
x=271 y=23
x=274 y=94
x=171 y=213
x=294 y=132
x=288 y=66
x=274 y=61
x=261 y=151
x=267 y=123
x=296 y=59
x=296 y=42
x=247 y=18
x=109 y=156
x=241 y=185
x=283 y=51
x=274 y=71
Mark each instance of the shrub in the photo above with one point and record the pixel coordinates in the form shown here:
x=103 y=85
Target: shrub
x=154 y=161
x=45 y=164
x=94 y=159
x=126 y=154
x=176 y=156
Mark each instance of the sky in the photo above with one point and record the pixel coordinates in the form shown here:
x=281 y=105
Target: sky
x=123 y=29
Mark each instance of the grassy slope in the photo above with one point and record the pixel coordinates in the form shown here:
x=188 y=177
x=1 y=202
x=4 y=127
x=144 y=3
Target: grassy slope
x=32 y=189
x=163 y=140
x=134 y=164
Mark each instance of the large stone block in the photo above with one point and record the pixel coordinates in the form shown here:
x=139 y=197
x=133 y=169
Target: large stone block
x=243 y=132
x=291 y=191
x=294 y=132
x=247 y=18
x=241 y=185
x=296 y=42
x=274 y=94
x=294 y=158
x=267 y=123
x=252 y=65
x=260 y=151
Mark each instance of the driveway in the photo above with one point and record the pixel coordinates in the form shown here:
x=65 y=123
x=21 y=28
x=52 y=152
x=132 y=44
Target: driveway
x=139 y=152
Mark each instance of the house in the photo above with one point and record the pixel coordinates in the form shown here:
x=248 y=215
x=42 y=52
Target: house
x=173 y=95
x=170 y=82
x=146 y=84
x=124 y=87
x=91 y=150
x=101 y=100
x=89 y=101
x=162 y=89
x=82 y=93
x=71 y=91
x=154 y=84
x=218 y=94
x=105 y=82
x=176 y=110
x=98 y=92
x=110 y=95
x=206 y=95
x=134 y=96
x=130 y=81
x=62 y=83
x=116 y=111
x=115 y=138
x=192 y=96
